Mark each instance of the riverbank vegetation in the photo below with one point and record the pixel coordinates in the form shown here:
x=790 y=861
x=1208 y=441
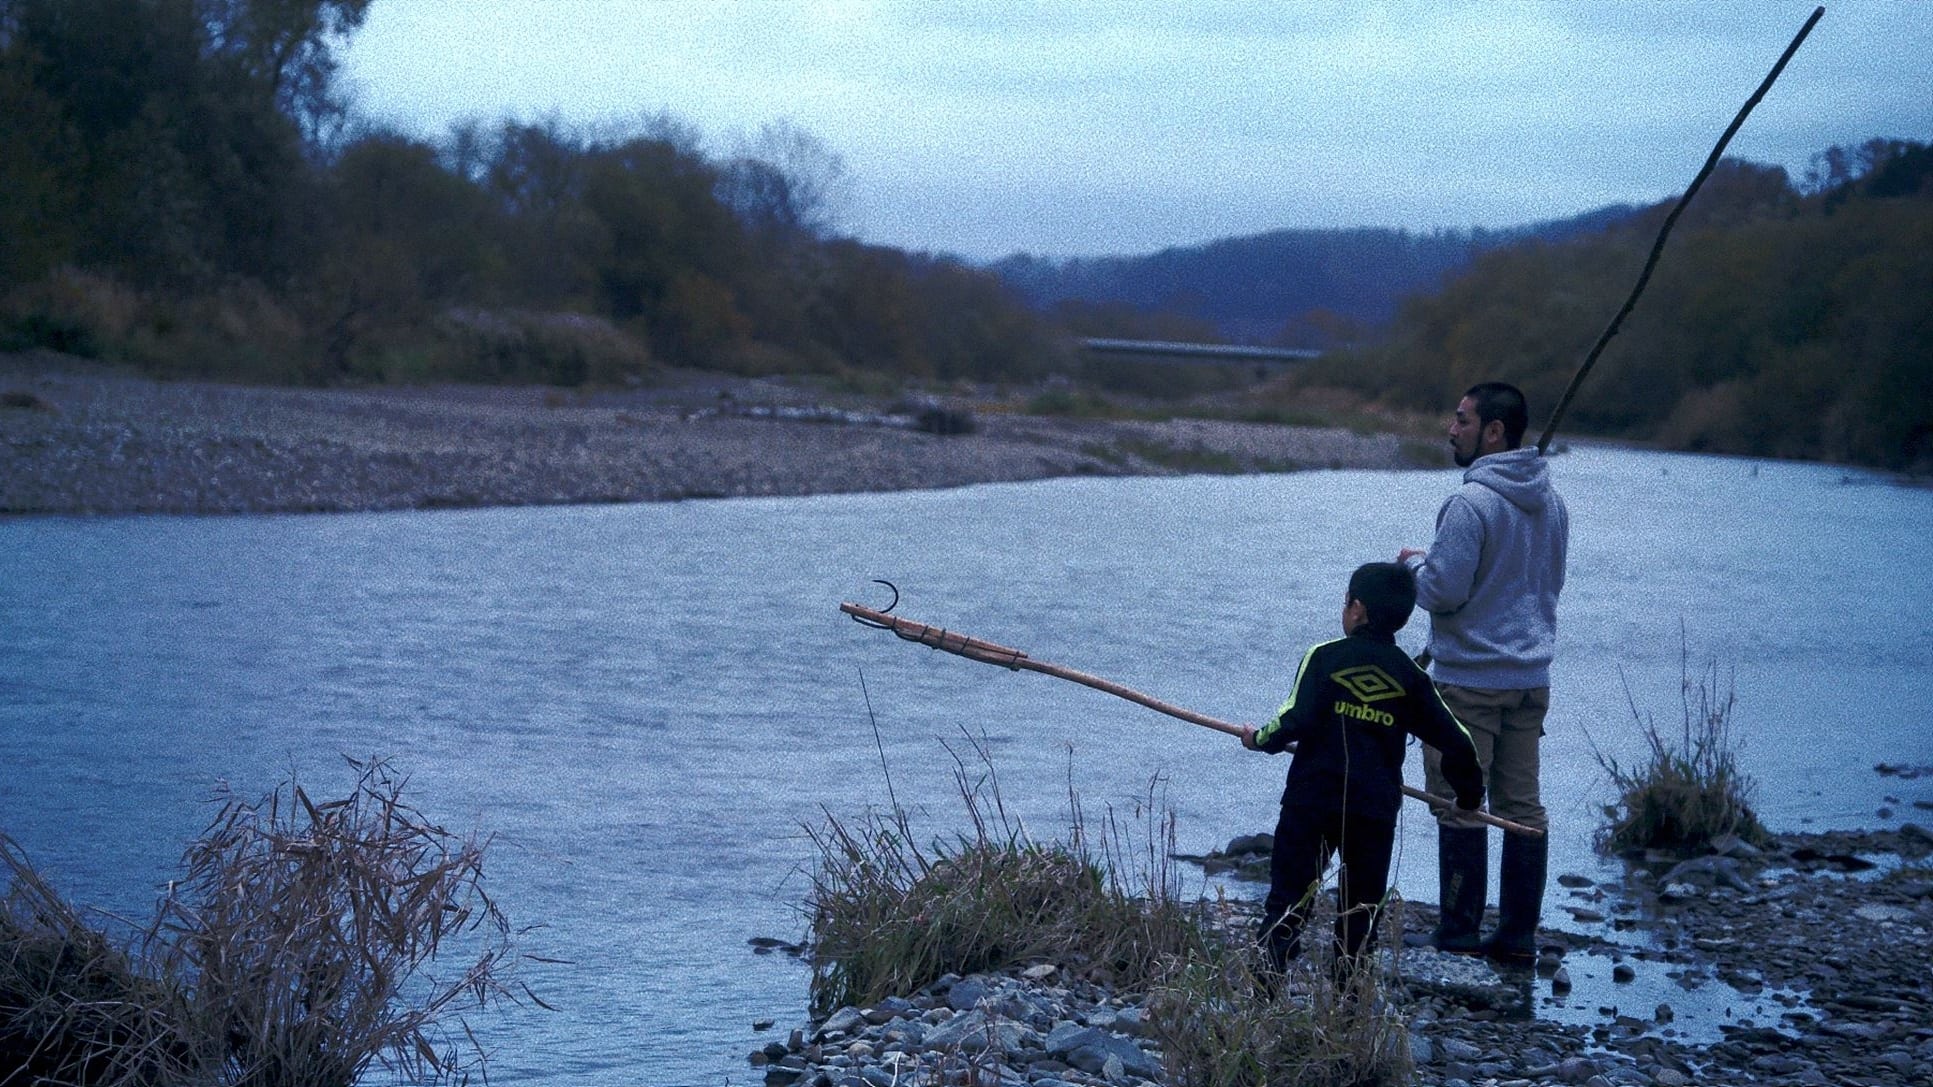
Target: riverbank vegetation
x=890 y=916
x=188 y=191
x=1688 y=796
x=185 y=190
x=1785 y=319
x=294 y=951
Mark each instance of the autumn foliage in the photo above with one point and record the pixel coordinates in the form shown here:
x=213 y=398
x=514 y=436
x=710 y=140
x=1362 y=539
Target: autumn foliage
x=1785 y=320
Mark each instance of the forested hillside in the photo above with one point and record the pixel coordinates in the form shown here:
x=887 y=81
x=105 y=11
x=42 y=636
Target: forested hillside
x=1784 y=320
x=1299 y=288
x=182 y=189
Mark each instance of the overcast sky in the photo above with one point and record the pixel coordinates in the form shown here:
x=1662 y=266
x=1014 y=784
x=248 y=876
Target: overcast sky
x=1074 y=129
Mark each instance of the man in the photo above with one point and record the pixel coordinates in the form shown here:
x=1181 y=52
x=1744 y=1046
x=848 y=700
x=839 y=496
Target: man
x=1490 y=582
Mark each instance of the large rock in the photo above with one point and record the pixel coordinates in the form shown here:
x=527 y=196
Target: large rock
x=1088 y=1049
x=840 y=1023
x=976 y=1032
x=967 y=993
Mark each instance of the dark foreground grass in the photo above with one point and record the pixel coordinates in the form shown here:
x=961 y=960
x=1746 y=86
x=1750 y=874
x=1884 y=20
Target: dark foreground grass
x=890 y=915
x=296 y=951
x=1689 y=794
x=1219 y=1028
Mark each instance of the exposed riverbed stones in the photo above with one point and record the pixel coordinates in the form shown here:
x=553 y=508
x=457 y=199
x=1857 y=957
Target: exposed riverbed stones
x=981 y=1029
x=81 y=438
x=1829 y=940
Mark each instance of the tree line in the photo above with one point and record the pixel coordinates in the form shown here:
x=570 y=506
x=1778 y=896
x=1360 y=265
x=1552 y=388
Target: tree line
x=1786 y=318
x=184 y=189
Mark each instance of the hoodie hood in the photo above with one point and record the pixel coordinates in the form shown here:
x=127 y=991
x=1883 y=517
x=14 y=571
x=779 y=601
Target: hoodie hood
x=1521 y=476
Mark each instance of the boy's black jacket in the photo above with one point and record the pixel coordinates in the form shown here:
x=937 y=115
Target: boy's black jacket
x=1356 y=701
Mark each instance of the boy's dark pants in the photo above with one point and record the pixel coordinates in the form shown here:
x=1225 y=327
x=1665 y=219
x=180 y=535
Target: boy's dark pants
x=1305 y=840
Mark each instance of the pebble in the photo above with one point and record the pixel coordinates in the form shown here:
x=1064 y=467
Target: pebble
x=115 y=443
x=1851 y=1002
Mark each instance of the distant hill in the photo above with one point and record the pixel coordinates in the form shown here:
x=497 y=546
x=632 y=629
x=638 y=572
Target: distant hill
x=1784 y=320
x=1250 y=288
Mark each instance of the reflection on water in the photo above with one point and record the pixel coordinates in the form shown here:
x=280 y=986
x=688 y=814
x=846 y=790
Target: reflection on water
x=1685 y=1003
x=645 y=704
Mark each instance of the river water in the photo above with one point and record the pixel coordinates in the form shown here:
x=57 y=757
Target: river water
x=646 y=704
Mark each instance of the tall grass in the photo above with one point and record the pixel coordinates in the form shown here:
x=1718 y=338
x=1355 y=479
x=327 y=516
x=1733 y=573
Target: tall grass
x=1689 y=793
x=890 y=915
x=75 y=1007
x=1221 y=1024
x=297 y=950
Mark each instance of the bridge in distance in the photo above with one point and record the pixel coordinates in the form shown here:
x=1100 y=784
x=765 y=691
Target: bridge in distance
x=1177 y=351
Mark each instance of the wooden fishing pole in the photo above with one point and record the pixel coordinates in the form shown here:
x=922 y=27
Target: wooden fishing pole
x=976 y=649
x=1658 y=247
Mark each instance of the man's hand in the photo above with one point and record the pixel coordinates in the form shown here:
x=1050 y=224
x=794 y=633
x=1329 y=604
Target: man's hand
x=1471 y=802
x=1248 y=737
x=1405 y=554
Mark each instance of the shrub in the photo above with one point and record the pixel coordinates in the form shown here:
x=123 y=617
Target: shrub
x=1079 y=404
x=1689 y=793
x=74 y=1008
x=553 y=348
x=889 y=916
x=72 y=312
x=291 y=953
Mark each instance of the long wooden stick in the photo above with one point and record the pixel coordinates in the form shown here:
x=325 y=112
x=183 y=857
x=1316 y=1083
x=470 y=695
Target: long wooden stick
x=1658 y=247
x=987 y=652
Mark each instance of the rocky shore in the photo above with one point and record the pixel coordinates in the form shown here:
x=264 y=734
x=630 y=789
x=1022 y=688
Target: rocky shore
x=77 y=437
x=1807 y=962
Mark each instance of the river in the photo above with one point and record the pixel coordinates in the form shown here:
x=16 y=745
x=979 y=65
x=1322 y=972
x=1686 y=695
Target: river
x=646 y=704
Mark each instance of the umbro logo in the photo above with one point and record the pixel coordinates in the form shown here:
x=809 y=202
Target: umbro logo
x=1368 y=683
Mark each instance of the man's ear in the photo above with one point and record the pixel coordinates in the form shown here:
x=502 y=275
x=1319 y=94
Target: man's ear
x=1493 y=437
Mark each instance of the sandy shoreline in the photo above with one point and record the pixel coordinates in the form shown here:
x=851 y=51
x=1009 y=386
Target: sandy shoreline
x=79 y=438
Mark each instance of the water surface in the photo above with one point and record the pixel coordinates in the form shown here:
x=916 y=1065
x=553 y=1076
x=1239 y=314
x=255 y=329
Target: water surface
x=645 y=704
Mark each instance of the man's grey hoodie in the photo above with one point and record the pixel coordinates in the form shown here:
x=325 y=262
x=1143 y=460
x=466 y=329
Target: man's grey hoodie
x=1490 y=580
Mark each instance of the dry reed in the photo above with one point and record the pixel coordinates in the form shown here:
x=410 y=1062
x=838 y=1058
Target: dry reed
x=1689 y=793
x=890 y=916
x=295 y=951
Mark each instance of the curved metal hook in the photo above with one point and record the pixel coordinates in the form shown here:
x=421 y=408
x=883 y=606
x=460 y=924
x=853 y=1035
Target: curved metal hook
x=874 y=623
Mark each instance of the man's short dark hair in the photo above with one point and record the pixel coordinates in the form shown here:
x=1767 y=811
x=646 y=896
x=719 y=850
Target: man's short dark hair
x=1504 y=402
x=1387 y=591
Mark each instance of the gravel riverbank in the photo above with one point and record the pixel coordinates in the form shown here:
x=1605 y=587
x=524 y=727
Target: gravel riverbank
x=1805 y=963
x=82 y=438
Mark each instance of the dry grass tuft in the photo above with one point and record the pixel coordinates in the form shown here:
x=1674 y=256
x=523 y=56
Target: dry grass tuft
x=1221 y=1026
x=889 y=915
x=74 y=1007
x=1690 y=792
x=295 y=952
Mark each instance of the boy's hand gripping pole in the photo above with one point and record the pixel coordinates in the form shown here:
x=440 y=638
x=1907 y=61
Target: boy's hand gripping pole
x=990 y=653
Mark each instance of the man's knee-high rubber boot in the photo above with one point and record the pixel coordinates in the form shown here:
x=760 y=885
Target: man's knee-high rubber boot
x=1520 y=898
x=1463 y=879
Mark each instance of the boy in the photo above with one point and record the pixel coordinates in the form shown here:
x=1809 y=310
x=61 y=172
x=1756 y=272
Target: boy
x=1356 y=700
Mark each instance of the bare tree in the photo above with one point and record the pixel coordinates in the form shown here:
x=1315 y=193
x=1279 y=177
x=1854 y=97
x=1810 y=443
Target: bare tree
x=788 y=182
